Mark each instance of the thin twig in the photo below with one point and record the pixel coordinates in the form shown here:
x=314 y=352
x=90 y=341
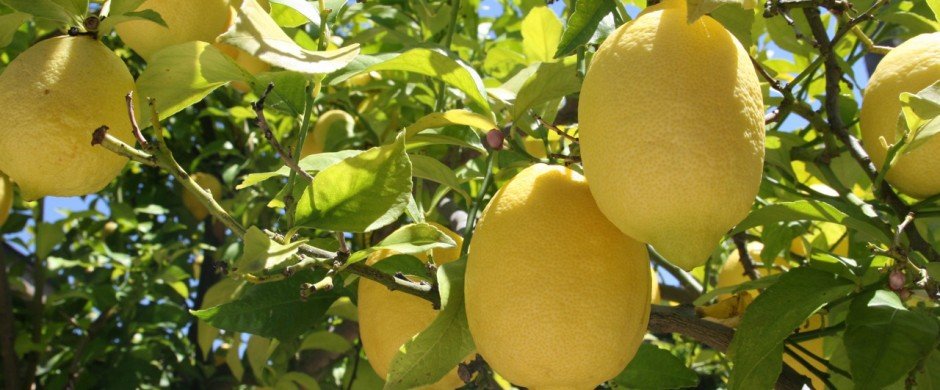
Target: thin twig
x=554 y=128
x=745 y=257
x=135 y=128
x=112 y=143
x=269 y=135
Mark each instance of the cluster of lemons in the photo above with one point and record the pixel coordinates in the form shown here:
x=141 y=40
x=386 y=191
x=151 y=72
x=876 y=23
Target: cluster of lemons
x=558 y=284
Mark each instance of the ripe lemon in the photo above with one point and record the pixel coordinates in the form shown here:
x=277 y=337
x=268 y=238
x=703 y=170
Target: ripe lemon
x=910 y=67
x=54 y=95
x=732 y=272
x=536 y=147
x=556 y=295
x=672 y=131
x=186 y=21
x=208 y=182
x=388 y=319
x=6 y=198
x=332 y=127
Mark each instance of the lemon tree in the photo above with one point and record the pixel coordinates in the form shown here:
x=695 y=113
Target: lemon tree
x=477 y=194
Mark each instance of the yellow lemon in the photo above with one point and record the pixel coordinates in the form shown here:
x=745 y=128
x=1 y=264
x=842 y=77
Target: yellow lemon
x=332 y=127
x=536 y=147
x=54 y=95
x=910 y=67
x=556 y=296
x=186 y=21
x=673 y=153
x=208 y=182
x=732 y=272
x=6 y=198
x=388 y=319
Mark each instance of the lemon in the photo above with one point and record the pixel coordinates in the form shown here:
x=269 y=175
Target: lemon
x=732 y=272
x=6 y=198
x=208 y=182
x=910 y=67
x=186 y=21
x=672 y=131
x=388 y=319
x=556 y=295
x=54 y=95
x=536 y=147
x=332 y=127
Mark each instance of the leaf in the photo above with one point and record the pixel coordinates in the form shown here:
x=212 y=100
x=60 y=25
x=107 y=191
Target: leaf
x=233 y=359
x=273 y=310
x=262 y=253
x=884 y=340
x=218 y=294
x=763 y=282
x=181 y=75
x=359 y=194
x=431 y=169
x=296 y=380
x=432 y=63
x=450 y=135
x=811 y=210
x=738 y=21
x=935 y=7
x=929 y=377
x=582 y=24
x=552 y=80
x=311 y=164
x=698 y=8
x=656 y=368
x=408 y=239
x=541 y=33
x=9 y=24
x=256 y=33
x=431 y=354
x=757 y=347
x=257 y=353
x=49 y=236
x=294 y=13
x=452 y=117
x=326 y=341
x=921 y=115
x=47 y=9
x=406 y=264
x=113 y=20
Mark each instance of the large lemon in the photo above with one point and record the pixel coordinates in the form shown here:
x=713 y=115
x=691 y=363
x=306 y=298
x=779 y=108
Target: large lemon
x=388 y=319
x=672 y=131
x=186 y=20
x=910 y=67
x=332 y=127
x=192 y=203
x=54 y=96
x=556 y=296
x=815 y=346
x=6 y=198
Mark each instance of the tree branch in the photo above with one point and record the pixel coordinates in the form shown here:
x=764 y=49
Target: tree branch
x=740 y=241
x=269 y=135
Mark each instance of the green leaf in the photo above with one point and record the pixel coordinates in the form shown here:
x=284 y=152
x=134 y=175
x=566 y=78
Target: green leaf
x=884 y=340
x=326 y=341
x=656 y=368
x=49 y=236
x=257 y=353
x=311 y=164
x=541 y=34
x=413 y=238
x=552 y=80
x=920 y=114
x=809 y=210
x=219 y=293
x=431 y=354
x=763 y=282
x=47 y=9
x=432 y=63
x=935 y=7
x=256 y=33
x=273 y=310
x=290 y=90
x=698 y=8
x=181 y=75
x=738 y=21
x=294 y=13
x=262 y=253
x=431 y=169
x=359 y=194
x=582 y=24
x=929 y=377
x=406 y=264
x=757 y=347
x=9 y=24
x=452 y=117
x=450 y=135
x=296 y=380
x=113 y=20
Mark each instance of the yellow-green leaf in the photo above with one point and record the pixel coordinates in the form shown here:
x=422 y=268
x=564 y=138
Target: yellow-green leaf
x=452 y=117
x=541 y=33
x=697 y=8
